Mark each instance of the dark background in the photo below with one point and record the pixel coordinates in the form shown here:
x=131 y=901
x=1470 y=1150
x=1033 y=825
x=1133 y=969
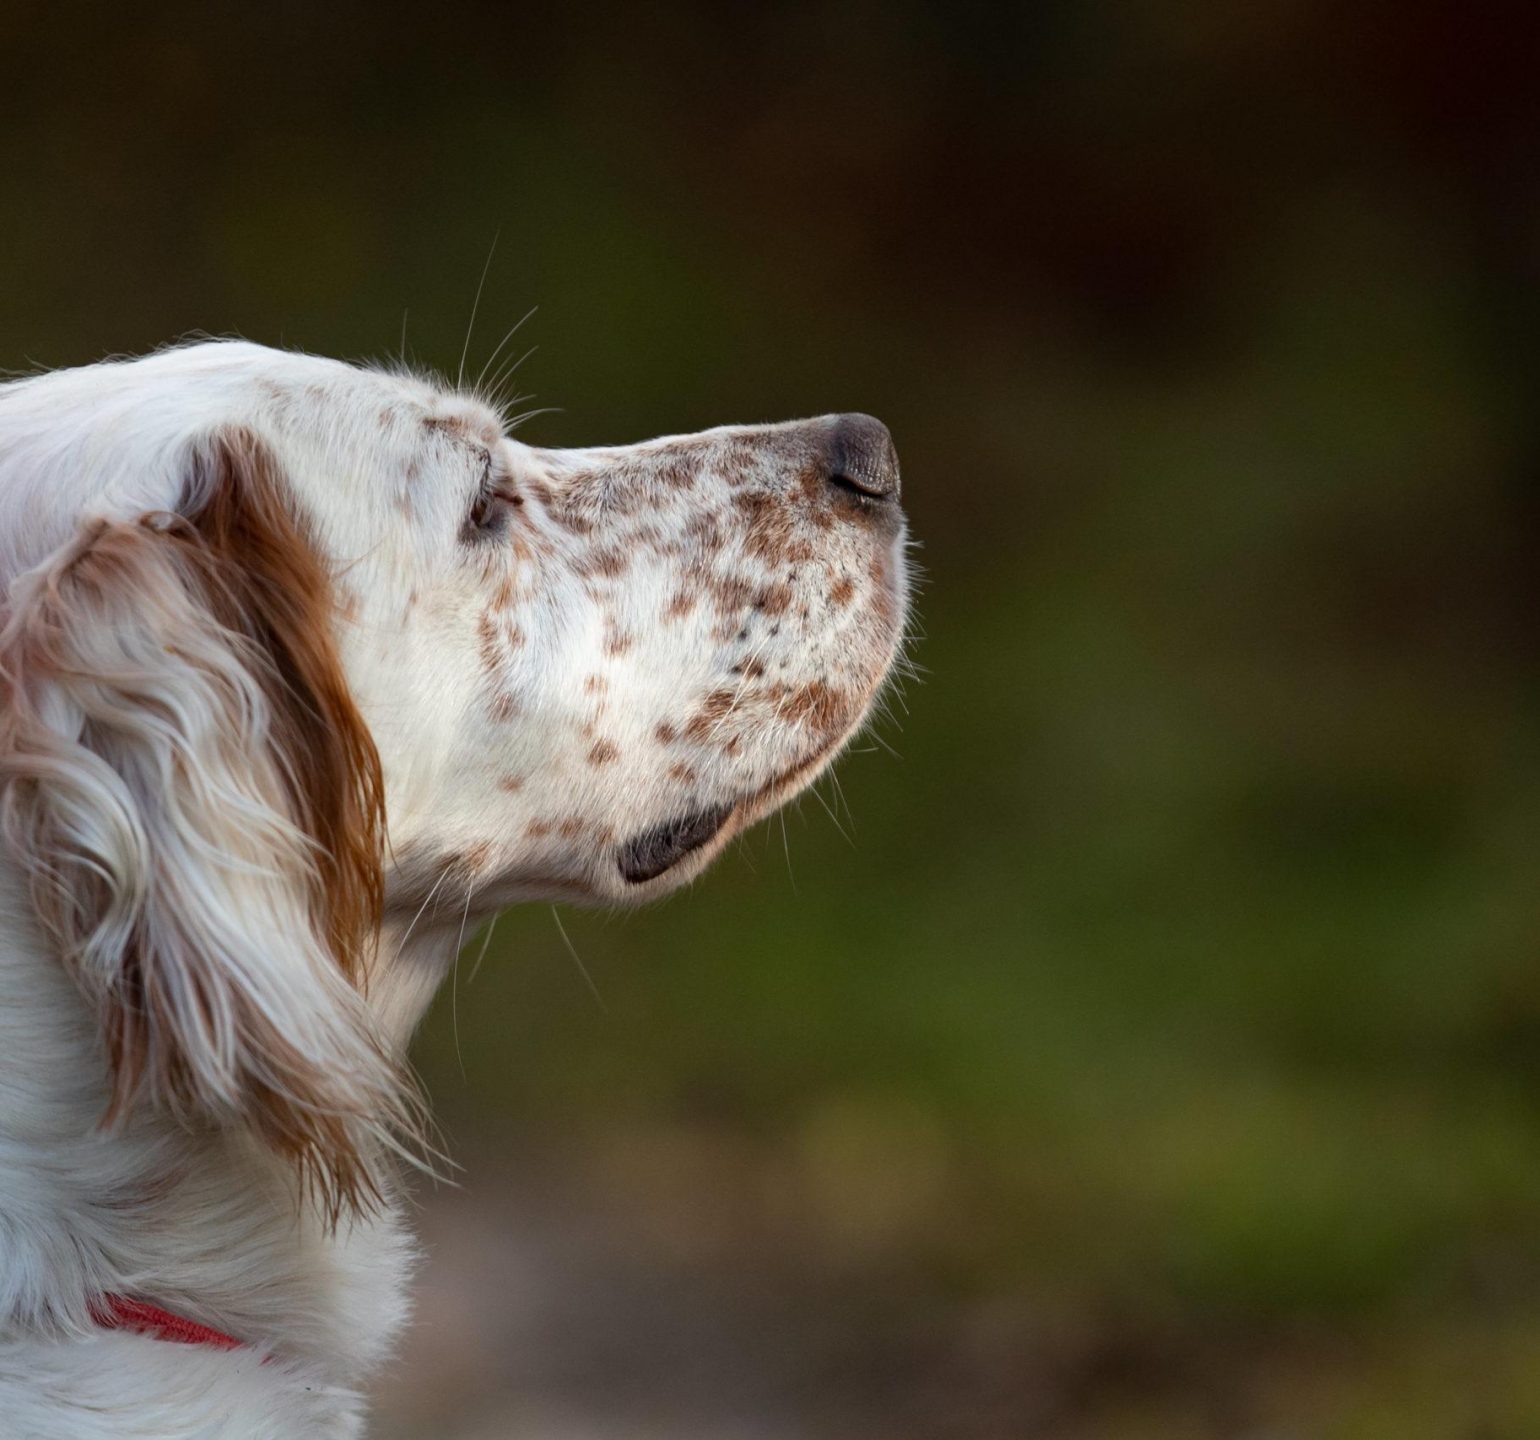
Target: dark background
x=1158 y=1057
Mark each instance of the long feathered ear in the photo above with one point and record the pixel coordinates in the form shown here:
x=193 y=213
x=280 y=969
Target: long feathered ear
x=198 y=808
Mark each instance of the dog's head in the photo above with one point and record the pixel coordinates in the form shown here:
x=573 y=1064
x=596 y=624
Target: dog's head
x=290 y=646
x=634 y=652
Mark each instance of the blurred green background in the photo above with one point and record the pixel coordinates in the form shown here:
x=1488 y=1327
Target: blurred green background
x=1145 y=1042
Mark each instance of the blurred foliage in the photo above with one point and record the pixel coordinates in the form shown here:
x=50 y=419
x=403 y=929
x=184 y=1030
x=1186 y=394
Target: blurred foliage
x=1177 y=980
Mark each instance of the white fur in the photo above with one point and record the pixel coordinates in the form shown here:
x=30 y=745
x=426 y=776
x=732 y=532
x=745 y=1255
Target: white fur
x=659 y=628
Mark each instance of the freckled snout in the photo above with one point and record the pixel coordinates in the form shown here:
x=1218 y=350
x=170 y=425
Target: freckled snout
x=859 y=461
x=745 y=587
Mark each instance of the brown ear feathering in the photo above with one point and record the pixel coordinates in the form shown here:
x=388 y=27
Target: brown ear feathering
x=265 y=581
x=199 y=808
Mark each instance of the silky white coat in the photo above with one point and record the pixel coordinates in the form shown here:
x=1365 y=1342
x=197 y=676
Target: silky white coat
x=305 y=670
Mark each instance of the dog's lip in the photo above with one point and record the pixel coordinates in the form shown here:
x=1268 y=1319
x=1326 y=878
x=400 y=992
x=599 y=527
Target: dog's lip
x=648 y=855
x=656 y=850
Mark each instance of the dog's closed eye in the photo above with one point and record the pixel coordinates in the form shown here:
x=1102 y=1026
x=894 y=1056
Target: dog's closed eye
x=493 y=507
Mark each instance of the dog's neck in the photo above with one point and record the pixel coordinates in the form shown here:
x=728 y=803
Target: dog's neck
x=207 y=1223
x=410 y=962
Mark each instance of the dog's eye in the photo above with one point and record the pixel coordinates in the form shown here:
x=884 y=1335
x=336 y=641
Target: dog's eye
x=493 y=506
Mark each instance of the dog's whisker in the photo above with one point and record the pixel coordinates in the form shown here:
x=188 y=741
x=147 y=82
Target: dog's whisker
x=475 y=306
x=791 y=874
x=828 y=810
x=481 y=954
x=511 y=332
x=839 y=790
x=506 y=374
x=582 y=969
x=427 y=900
x=514 y=421
x=742 y=849
x=454 y=979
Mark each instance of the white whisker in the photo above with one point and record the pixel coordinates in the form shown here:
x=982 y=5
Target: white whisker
x=475 y=306
x=512 y=331
x=481 y=954
x=813 y=791
x=582 y=969
x=427 y=900
x=454 y=980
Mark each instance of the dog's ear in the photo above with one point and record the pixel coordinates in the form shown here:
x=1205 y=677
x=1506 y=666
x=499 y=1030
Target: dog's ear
x=198 y=808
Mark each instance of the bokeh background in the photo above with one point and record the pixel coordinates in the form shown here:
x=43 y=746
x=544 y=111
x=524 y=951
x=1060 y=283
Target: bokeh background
x=1143 y=1039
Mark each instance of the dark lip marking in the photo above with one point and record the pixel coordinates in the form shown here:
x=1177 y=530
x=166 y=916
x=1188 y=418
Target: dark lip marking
x=652 y=852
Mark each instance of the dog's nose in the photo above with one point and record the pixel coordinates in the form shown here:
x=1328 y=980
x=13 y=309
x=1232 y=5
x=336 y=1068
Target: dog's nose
x=860 y=460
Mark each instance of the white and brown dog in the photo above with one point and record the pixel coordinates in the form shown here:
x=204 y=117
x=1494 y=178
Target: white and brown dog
x=303 y=669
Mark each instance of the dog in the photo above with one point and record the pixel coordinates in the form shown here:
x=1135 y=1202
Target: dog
x=305 y=668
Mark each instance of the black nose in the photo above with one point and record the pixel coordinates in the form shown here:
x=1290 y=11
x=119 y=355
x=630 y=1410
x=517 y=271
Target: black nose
x=861 y=459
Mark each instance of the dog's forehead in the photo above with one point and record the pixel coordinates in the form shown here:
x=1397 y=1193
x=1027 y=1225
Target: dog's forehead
x=359 y=441
x=412 y=411
x=308 y=395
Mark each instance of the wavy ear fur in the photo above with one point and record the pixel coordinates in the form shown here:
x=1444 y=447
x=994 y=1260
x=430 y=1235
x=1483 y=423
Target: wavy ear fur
x=198 y=808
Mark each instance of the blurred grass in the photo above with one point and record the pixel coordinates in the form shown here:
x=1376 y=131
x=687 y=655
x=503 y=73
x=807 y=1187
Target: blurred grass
x=1177 y=983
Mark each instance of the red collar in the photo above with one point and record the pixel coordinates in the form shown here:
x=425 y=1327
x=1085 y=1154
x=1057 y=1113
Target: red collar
x=118 y=1312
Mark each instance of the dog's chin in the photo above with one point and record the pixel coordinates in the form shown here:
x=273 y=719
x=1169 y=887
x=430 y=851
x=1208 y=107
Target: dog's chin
x=649 y=864
x=671 y=853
